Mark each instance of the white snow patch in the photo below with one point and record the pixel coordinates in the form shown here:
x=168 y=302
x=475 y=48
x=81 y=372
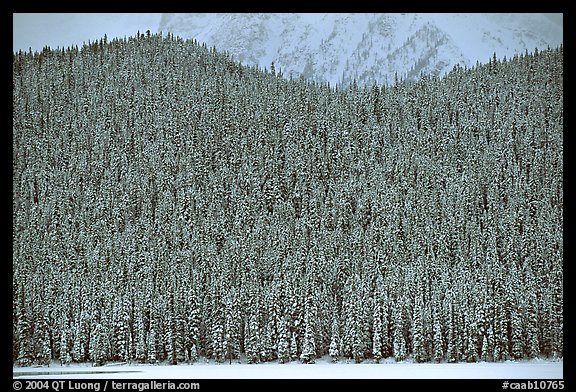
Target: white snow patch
x=323 y=369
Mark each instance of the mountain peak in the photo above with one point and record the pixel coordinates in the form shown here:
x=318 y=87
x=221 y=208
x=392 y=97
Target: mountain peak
x=339 y=48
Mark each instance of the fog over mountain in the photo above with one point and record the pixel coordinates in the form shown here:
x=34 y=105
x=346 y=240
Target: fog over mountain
x=367 y=47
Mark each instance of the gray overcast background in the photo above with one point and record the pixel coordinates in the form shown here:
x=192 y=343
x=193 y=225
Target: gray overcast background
x=61 y=30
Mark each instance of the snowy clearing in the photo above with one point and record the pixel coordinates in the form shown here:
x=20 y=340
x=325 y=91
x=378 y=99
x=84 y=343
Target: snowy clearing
x=322 y=370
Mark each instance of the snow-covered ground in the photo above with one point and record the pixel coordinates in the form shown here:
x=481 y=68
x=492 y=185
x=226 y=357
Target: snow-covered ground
x=323 y=369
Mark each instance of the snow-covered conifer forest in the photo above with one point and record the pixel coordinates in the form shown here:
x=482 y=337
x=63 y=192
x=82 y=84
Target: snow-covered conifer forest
x=170 y=204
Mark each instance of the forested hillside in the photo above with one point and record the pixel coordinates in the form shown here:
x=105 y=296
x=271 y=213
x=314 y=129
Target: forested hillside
x=171 y=204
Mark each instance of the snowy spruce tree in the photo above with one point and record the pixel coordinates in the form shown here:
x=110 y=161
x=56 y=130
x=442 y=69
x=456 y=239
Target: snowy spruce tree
x=283 y=343
x=334 y=349
x=309 y=344
x=400 y=350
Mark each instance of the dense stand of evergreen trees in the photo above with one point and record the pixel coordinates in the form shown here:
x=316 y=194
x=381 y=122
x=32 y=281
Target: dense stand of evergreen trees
x=170 y=204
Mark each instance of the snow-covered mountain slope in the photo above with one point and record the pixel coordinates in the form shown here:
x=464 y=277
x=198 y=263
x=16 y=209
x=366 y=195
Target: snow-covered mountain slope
x=367 y=47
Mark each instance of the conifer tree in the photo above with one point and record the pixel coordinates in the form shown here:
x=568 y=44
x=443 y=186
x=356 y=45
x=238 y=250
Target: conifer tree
x=334 y=349
x=400 y=351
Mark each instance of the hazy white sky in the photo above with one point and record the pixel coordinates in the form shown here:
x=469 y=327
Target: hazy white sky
x=61 y=30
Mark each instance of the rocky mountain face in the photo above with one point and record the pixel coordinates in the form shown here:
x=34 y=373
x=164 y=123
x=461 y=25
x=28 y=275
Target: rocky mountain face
x=339 y=48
